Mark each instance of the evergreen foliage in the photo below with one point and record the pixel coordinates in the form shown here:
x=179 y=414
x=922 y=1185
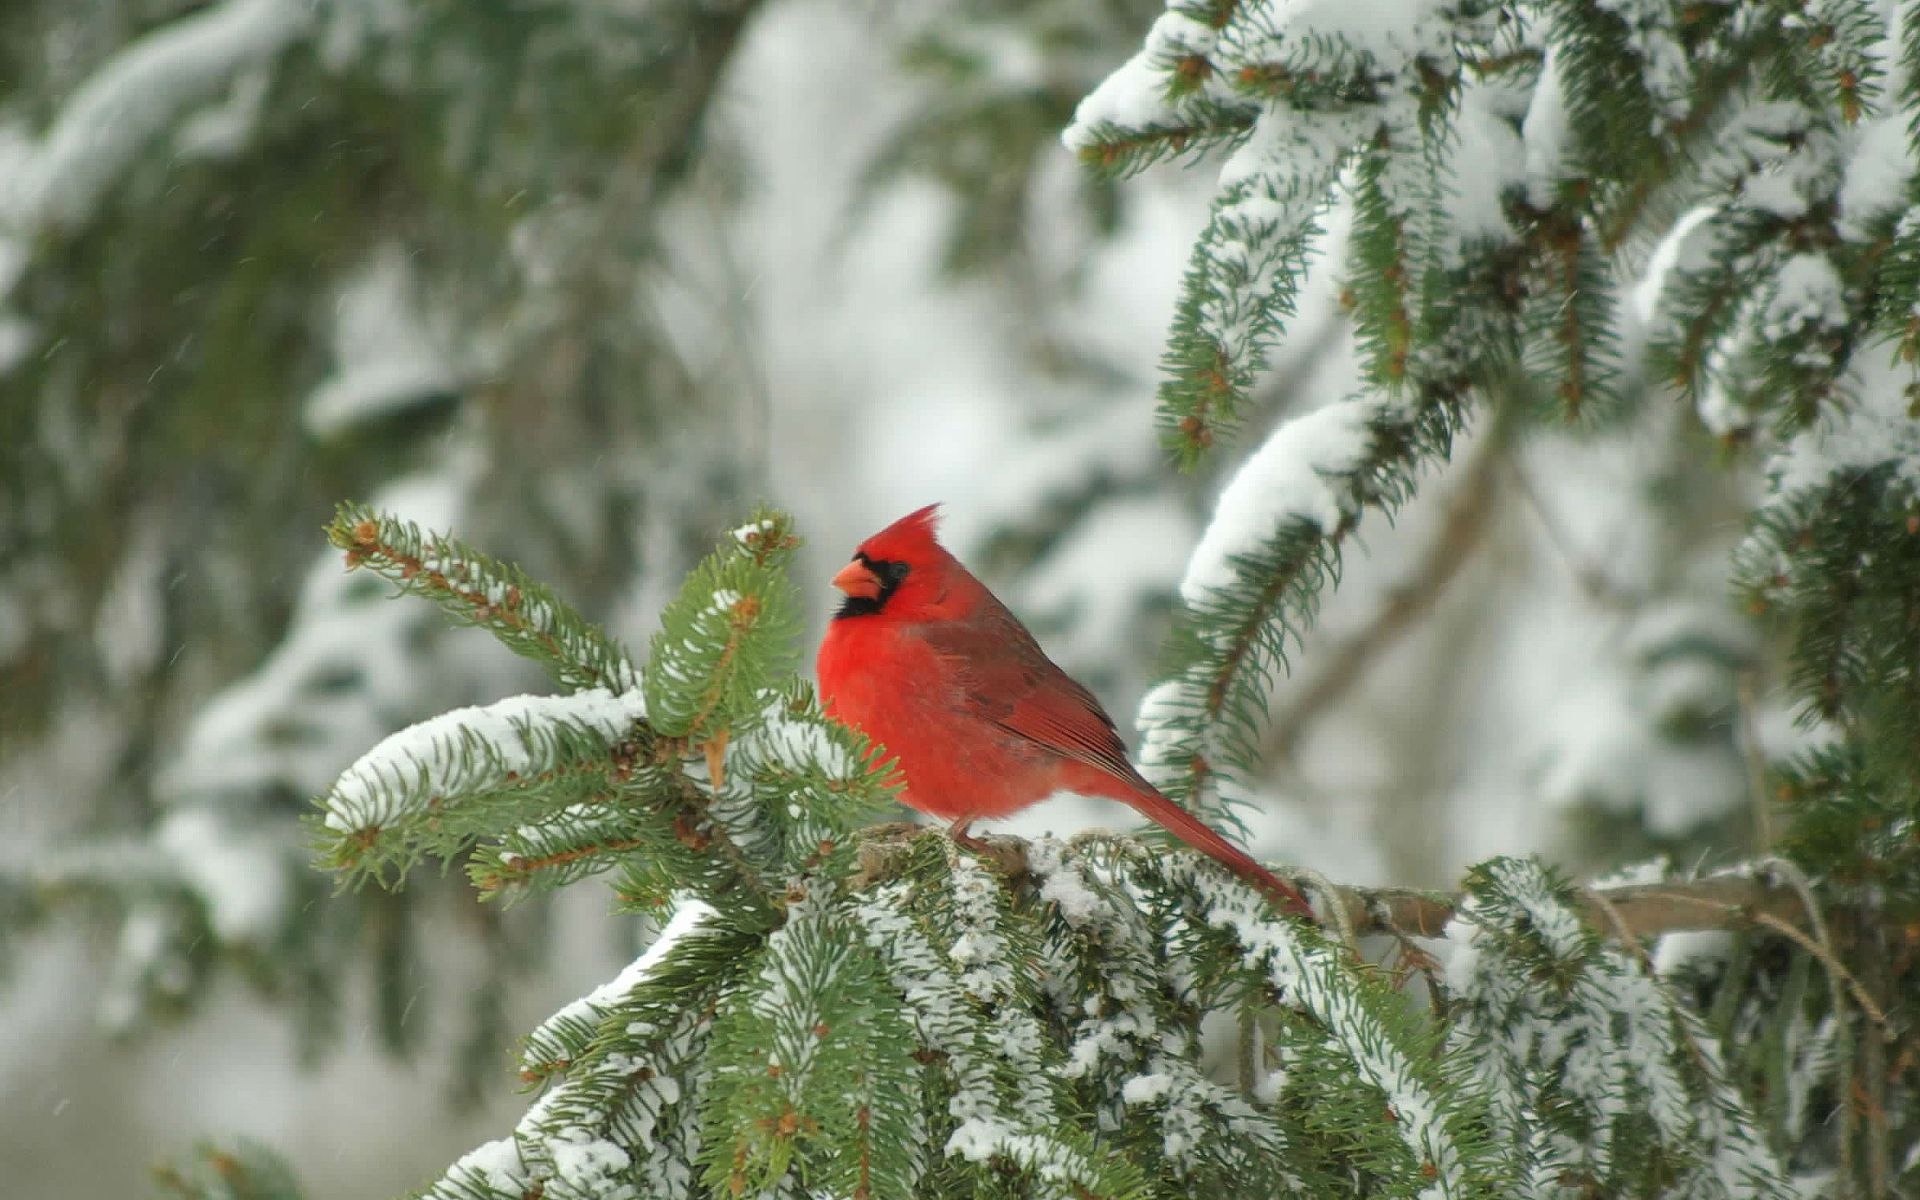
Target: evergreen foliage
x=1600 y=1080
x=524 y=615
x=256 y=255
x=1790 y=285
x=807 y=1026
x=691 y=777
x=1560 y=218
x=1053 y=1021
x=246 y=1171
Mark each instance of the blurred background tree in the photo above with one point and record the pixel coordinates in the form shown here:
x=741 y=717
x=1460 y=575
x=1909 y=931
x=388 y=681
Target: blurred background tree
x=583 y=279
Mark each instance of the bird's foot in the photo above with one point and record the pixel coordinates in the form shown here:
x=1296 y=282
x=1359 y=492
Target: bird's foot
x=958 y=832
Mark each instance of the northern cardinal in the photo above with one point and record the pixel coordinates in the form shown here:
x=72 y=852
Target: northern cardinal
x=925 y=661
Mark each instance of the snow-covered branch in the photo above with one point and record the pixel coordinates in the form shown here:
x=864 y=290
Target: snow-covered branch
x=134 y=97
x=1718 y=902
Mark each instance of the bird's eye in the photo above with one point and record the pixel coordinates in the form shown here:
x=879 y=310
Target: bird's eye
x=888 y=571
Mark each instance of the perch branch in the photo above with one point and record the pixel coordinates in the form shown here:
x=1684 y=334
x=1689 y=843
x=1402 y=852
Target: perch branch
x=1631 y=910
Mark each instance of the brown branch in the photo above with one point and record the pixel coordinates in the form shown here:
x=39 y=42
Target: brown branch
x=1114 y=153
x=1593 y=580
x=1410 y=599
x=442 y=581
x=520 y=868
x=1631 y=910
x=1573 y=335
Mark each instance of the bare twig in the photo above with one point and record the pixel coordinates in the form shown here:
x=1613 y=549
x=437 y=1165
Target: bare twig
x=1411 y=598
x=1803 y=888
x=1249 y=1046
x=1594 y=581
x=1733 y=916
x=1599 y=902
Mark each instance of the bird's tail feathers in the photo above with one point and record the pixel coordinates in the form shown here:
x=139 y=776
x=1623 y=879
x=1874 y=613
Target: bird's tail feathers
x=1202 y=837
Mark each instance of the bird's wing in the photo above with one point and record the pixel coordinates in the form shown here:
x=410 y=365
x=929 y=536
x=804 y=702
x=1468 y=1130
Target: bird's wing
x=1007 y=679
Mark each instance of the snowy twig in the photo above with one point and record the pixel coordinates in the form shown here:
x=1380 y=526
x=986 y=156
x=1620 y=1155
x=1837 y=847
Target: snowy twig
x=1634 y=910
x=525 y=616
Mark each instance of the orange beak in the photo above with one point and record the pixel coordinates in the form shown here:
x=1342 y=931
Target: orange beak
x=856 y=580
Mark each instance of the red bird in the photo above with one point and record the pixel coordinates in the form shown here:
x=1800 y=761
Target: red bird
x=927 y=663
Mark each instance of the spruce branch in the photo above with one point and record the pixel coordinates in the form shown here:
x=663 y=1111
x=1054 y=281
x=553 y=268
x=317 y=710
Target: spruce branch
x=816 y=1018
x=949 y=937
x=1725 y=902
x=939 y=1026
x=689 y=780
x=246 y=1170
x=725 y=638
x=1451 y=548
x=1353 y=1047
x=1629 y=1092
x=1118 y=152
x=1249 y=595
x=476 y=589
x=436 y=787
x=1238 y=290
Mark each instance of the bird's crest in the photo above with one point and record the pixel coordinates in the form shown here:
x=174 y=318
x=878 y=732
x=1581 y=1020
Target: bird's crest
x=913 y=538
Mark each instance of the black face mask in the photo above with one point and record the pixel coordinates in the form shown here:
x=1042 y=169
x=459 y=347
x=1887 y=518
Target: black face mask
x=890 y=574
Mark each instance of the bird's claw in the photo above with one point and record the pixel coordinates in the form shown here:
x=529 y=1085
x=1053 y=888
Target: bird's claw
x=966 y=841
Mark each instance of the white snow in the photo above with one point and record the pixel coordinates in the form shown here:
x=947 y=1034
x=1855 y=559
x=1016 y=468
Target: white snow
x=1134 y=96
x=1546 y=133
x=387 y=354
x=688 y=915
x=467 y=747
x=241 y=873
x=1675 y=951
x=134 y=97
x=1061 y=886
x=590 y=1166
x=1286 y=480
x=746 y=534
x=1878 y=174
x=979 y=950
x=1392 y=33
x=1668 y=255
x=1807 y=292
x=1487 y=158
x=1146 y=1089
x=1872 y=429
x=496 y=1164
